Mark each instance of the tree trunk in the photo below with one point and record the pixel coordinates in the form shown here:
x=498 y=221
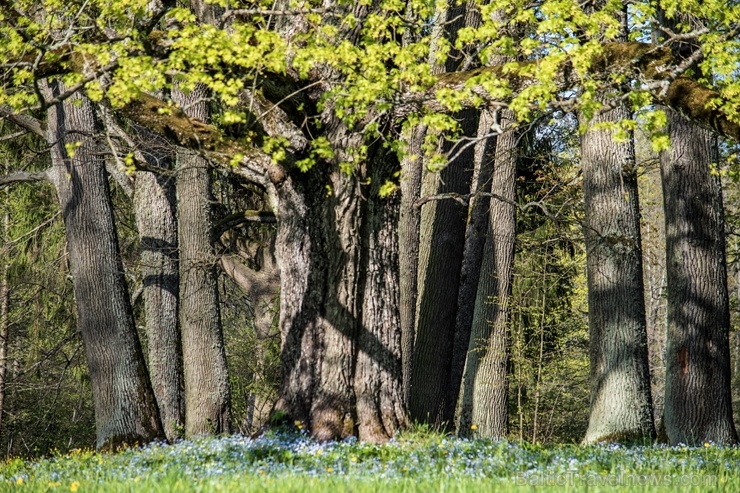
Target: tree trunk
x=207 y=397
x=4 y=305
x=484 y=392
x=301 y=257
x=412 y=167
x=154 y=206
x=442 y=227
x=698 y=405
x=262 y=286
x=621 y=403
x=125 y=406
x=441 y=244
x=475 y=240
x=339 y=296
x=378 y=378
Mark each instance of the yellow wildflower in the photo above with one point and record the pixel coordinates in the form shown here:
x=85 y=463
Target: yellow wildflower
x=74 y=486
x=19 y=481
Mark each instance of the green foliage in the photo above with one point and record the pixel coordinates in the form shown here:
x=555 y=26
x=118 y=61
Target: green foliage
x=48 y=397
x=548 y=391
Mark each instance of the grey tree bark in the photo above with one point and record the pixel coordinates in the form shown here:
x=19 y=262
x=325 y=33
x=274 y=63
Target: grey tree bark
x=378 y=379
x=621 y=402
x=155 y=210
x=207 y=396
x=4 y=304
x=698 y=404
x=125 y=406
x=484 y=390
x=408 y=245
x=339 y=295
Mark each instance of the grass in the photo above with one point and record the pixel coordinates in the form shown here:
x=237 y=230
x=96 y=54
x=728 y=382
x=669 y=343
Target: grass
x=415 y=462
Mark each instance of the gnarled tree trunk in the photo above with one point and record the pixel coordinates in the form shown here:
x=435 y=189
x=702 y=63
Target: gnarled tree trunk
x=339 y=295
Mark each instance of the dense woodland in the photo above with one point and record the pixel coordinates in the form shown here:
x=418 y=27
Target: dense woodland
x=499 y=219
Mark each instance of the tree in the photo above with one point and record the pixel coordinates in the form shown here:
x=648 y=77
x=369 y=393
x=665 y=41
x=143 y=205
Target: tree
x=484 y=393
x=207 y=396
x=621 y=403
x=698 y=403
x=125 y=408
x=340 y=83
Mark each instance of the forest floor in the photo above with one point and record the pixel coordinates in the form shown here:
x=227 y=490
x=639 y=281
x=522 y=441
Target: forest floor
x=414 y=462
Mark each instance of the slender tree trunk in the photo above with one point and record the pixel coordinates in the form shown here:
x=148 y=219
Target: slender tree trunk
x=475 y=241
x=484 y=391
x=262 y=287
x=154 y=206
x=621 y=402
x=207 y=396
x=408 y=247
x=4 y=306
x=441 y=243
x=125 y=406
x=698 y=404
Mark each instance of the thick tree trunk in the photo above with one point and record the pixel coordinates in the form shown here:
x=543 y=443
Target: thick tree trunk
x=339 y=296
x=125 y=406
x=441 y=244
x=155 y=210
x=301 y=257
x=621 y=403
x=484 y=391
x=698 y=405
x=207 y=396
x=378 y=379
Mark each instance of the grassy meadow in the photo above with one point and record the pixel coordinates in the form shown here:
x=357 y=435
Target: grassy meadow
x=414 y=462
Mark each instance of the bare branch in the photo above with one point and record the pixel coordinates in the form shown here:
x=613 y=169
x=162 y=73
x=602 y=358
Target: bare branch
x=24 y=177
x=249 y=216
x=25 y=122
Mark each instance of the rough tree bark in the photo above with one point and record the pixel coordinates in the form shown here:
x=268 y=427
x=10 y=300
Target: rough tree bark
x=339 y=319
x=408 y=245
x=484 y=390
x=378 y=383
x=442 y=226
x=155 y=210
x=698 y=403
x=207 y=396
x=4 y=304
x=621 y=402
x=125 y=406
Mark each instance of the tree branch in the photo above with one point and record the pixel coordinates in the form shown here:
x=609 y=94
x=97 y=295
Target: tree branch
x=25 y=122
x=248 y=216
x=23 y=177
